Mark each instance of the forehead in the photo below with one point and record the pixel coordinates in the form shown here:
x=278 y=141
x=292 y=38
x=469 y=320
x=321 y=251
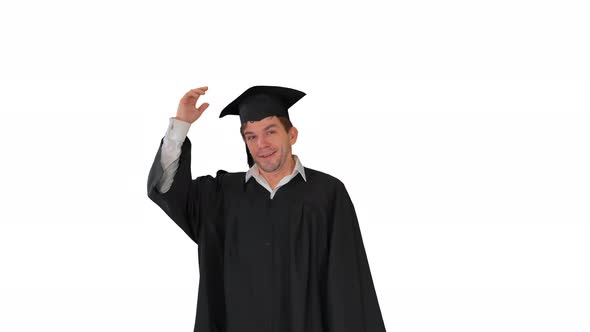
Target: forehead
x=260 y=125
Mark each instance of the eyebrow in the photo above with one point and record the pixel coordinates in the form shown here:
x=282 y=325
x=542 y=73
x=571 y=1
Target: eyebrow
x=265 y=129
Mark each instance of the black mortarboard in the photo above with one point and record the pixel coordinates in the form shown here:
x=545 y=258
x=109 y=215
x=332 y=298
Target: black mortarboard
x=259 y=102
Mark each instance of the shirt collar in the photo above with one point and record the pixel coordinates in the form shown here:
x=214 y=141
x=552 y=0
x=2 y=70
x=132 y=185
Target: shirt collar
x=297 y=169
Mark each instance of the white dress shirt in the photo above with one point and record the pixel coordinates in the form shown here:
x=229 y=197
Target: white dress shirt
x=254 y=172
x=172 y=147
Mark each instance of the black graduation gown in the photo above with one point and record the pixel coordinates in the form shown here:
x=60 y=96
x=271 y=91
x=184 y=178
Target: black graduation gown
x=294 y=263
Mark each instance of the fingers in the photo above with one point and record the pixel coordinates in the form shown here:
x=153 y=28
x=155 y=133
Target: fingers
x=193 y=95
x=197 y=92
x=200 y=91
x=203 y=107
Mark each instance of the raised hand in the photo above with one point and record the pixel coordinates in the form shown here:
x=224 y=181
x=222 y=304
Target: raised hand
x=187 y=108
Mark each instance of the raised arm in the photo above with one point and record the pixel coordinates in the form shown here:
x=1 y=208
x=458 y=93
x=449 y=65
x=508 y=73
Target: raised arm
x=178 y=128
x=170 y=183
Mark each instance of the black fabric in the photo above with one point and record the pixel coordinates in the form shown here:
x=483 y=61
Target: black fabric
x=261 y=101
x=294 y=263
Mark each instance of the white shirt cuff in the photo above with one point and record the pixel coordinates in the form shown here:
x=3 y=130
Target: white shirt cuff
x=177 y=130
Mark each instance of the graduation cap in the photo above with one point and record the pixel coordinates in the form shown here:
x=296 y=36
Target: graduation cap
x=259 y=102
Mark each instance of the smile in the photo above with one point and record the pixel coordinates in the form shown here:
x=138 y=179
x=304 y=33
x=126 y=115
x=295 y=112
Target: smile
x=268 y=155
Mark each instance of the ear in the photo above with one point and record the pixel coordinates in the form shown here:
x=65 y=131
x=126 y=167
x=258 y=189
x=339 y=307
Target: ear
x=293 y=132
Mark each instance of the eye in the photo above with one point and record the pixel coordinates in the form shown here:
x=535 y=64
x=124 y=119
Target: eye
x=249 y=138
x=270 y=132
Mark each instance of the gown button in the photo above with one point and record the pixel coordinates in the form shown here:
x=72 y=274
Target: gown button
x=267 y=243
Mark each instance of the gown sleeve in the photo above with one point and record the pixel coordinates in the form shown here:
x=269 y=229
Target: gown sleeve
x=351 y=300
x=188 y=202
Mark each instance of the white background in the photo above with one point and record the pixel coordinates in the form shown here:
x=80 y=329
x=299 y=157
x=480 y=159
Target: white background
x=460 y=129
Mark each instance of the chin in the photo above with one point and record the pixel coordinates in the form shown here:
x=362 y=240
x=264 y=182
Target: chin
x=268 y=167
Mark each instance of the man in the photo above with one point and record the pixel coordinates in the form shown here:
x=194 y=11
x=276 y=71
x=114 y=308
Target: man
x=280 y=249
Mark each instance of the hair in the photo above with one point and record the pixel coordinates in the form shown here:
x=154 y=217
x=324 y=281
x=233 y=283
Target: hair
x=283 y=119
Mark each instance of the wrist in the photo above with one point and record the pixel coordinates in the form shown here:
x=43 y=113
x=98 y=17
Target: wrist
x=177 y=129
x=180 y=118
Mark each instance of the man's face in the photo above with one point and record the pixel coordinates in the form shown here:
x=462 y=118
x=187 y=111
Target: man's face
x=269 y=143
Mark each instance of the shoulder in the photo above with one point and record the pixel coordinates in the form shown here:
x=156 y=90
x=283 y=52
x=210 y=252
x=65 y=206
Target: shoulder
x=327 y=192
x=232 y=176
x=231 y=181
x=324 y=180
x=223 y=178
x=229 y=177
x=316 y=175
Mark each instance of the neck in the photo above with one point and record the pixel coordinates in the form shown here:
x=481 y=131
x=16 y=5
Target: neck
x=273 y=178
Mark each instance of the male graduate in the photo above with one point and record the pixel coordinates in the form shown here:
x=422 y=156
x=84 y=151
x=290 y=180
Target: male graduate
x=280 y=249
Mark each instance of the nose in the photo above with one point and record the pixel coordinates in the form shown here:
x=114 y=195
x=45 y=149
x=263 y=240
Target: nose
x=261 y=142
